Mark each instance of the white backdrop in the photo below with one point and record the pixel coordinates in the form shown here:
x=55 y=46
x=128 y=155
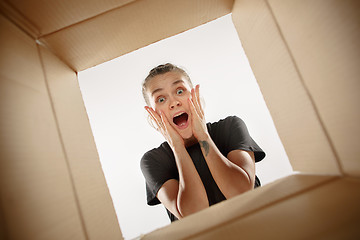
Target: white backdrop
x=213 y=56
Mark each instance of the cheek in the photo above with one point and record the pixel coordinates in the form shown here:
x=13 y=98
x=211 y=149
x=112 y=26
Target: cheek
x=159 y=109
x=185 y=98
x=156 y=107
x=186 y=102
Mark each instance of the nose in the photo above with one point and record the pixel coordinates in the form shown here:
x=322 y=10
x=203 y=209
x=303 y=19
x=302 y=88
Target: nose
x=174 y=103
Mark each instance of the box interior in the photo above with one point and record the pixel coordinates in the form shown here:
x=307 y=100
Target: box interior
x=304 y=55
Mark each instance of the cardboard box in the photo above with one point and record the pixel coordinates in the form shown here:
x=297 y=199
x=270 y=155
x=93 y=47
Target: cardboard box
x=304 y=54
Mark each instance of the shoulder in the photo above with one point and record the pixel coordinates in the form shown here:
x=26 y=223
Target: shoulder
x=225 y=124
x=227 y=120
x=155 y=152
x=221 y=131
x=156 y=156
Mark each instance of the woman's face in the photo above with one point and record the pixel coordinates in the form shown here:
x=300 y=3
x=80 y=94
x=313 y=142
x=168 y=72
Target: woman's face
x=169 y=93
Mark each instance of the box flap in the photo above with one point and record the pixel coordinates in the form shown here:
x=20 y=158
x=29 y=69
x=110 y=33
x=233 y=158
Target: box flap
x=230 y=212
x=323 y=37
x=128 y=28
x=328 y=211
x=292 y=109
x=37 y=195
x=51 y=16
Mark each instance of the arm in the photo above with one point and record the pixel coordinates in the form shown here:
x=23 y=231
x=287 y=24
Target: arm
x=187 y=195
x=235 y=173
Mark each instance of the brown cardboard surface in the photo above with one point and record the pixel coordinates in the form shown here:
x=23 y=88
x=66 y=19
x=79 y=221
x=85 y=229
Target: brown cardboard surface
x=128 y=28
x=11 y=60
x=50 y=16
x=239 y=207
x=289 y=102
x=52 y=186
x=89 y=181
x=18 y=19
x=37 y=198
x=2 y=226
x=323 y=37
x=329 y=211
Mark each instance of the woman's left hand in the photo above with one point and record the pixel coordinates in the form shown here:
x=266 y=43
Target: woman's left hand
x=198 y=118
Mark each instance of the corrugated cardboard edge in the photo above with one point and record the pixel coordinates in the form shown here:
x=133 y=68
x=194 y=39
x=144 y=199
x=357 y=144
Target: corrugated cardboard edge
x=240 y=207
x=326 y=211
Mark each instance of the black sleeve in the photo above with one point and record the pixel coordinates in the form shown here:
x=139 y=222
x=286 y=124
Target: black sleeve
x=236 y=136
x=158 y=166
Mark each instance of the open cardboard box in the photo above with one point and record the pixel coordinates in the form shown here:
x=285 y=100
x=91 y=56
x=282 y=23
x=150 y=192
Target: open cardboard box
x=305 y=56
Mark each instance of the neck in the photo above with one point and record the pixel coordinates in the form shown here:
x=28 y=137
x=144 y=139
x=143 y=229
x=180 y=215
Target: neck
x=190 y=141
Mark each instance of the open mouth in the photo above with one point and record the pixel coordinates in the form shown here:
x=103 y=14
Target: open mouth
x=181 y=120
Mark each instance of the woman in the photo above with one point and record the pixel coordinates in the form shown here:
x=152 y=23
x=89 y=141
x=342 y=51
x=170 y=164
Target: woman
x=200 y=164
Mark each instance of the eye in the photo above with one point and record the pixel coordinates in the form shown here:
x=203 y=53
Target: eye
x=179 y=91
x=160 y=99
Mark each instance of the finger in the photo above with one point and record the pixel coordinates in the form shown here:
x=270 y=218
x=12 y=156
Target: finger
x=164 y=120
x=196 y=103
x=164 y=128
x=160 y=122
x=192 y=108
x=155 y=116
x=193 y=98
x=197 y=93
x=166 y=125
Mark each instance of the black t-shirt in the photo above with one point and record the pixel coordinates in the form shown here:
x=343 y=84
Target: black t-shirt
x=158 y=165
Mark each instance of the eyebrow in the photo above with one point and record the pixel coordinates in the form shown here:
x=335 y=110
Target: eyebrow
x=159 y=89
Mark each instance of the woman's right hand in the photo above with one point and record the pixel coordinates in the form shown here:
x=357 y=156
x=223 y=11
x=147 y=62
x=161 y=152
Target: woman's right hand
x=162 y=124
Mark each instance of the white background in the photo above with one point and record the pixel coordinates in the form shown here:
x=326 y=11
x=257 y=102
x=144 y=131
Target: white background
x=213 y=57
